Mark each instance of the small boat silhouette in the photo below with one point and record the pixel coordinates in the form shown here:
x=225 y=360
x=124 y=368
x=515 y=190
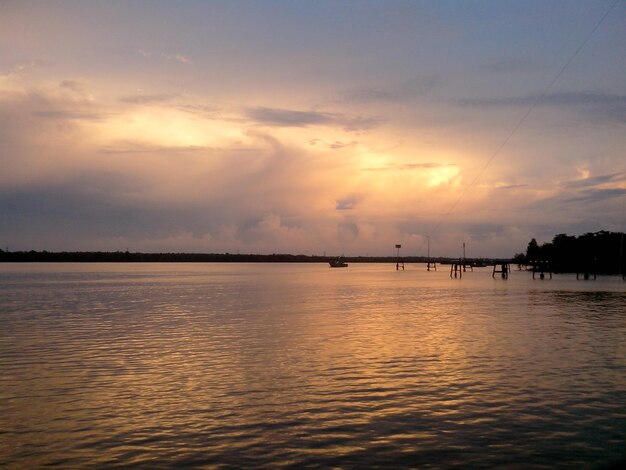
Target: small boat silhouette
x=338 y=263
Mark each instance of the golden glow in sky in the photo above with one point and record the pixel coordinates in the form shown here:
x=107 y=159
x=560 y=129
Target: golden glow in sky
x=298 y=129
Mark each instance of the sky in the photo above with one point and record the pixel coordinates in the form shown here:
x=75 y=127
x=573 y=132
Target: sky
x=310 y=127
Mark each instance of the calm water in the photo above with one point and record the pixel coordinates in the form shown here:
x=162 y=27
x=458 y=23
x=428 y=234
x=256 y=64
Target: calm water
x=288 y=365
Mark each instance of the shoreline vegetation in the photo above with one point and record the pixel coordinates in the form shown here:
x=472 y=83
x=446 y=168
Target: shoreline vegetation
x=600 y=252
x=137 y=257
x=594 y=252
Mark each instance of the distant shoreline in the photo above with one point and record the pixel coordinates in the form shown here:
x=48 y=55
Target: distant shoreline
x=128 y=257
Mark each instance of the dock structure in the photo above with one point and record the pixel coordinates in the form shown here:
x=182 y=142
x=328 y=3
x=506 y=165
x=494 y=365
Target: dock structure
x=456 y=270
x=504 y=270
x=540 y=268
x=586 y=276
x=587 y=269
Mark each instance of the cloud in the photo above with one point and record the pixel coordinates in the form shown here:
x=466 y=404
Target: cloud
x=397 y=93
x=484 y=231
x=347 y=232
x=359 y=123
x=179 y=174
x=511 y=186
x=60 y=114
x=596 y=180
x=204 y=111
x=183 y=59
x=148 y=99
x=509 y=65
x=336 y=145
x=412 y=227
x=595 y=195
x=67 y=100
x=289 y=118
x=141 y=148
x=178 y=57
x=605 y=106
x=583 y=195
x=73 y=85
x=348 y=203
x=411 y=166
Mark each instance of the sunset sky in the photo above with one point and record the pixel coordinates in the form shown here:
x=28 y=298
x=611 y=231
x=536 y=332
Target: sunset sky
x=310 y=126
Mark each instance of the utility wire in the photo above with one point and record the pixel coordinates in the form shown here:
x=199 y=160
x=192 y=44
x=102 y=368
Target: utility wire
x=523 y=118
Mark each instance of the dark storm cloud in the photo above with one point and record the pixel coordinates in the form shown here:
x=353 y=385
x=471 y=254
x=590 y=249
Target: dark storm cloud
x=67 y=211
x=96 y=207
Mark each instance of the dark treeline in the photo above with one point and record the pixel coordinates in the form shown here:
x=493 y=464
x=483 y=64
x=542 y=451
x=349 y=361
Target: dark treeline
x=128 y=257
x=599 y=252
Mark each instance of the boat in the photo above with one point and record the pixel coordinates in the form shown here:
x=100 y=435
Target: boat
x=338 y=263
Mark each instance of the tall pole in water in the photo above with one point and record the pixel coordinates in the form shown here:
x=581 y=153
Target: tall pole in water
x=398 y=258
x=428 y=254
x=621 y=255
x=463 y=262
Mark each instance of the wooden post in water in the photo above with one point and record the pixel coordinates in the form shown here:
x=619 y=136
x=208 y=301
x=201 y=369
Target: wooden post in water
x=456 y=270
x=504 y=270
x=586 y=276
x=589 y=269
x=542 y=267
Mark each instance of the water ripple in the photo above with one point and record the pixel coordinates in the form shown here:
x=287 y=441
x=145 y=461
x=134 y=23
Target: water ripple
x=294 y=366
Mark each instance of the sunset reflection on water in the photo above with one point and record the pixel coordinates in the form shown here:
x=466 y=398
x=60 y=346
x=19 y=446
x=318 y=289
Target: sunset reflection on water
x=285 y=365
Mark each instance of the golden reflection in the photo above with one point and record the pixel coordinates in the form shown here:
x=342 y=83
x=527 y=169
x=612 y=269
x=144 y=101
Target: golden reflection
x=217 y=359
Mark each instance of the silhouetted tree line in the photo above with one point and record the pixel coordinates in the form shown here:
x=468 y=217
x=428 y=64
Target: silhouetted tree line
x=126 y=257
x=598 y=252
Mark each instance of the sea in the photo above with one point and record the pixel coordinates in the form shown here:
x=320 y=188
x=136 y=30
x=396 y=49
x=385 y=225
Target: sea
x=234 y=365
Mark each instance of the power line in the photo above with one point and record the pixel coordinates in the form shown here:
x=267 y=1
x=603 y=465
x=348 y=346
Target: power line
x=523 y=118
